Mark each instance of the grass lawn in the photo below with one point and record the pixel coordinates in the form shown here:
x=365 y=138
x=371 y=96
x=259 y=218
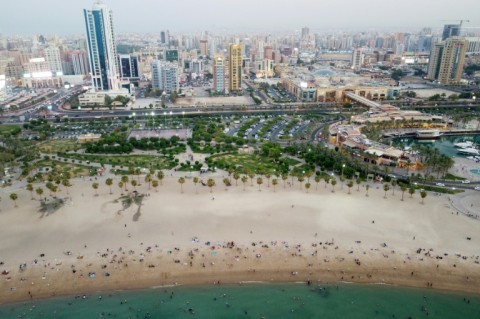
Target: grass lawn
x=56 y=146
x=74 y=169
x=8 y=128
x=247 y=163
x=143 y=161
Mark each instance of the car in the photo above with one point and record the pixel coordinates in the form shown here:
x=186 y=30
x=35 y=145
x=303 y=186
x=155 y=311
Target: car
x=440 y=184
x=477 y=188
x=466 y=181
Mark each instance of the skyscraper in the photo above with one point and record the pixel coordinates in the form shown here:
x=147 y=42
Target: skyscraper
x=357 y=59
x=79 y=62
x=446 y=61
x=451 y=30
x=128 y=66
x=164 y=76
x=102 y=48
x=235 y=68
x=52 y=55
x=219 y=74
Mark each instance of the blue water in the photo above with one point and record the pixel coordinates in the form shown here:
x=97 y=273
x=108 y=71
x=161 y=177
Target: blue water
x=346 y=301
x=443 y=144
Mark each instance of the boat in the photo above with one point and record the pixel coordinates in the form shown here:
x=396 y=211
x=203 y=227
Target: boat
x=427 y=134
x=463 y=144
x=468 y=151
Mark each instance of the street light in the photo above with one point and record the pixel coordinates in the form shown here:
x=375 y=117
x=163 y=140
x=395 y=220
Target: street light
x=133 y=114
x=343 y=166
x=165 y=122
x=171 y=118
x=183 y=118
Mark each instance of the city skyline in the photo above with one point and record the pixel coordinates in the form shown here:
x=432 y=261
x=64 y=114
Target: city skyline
x=217 y=16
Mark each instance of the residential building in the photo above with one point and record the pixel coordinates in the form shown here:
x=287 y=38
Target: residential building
x=446 y=61
x=52 y=56
x=235 y=68
x=451 y=30
x=357 y=59
x=79 y=62
x=165 y=76
x=102 y=48
x=219 y=74
x=128 y=66
x=203 y=47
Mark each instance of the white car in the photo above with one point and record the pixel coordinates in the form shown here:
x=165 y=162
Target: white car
x=440 y=184
x=466 y=181
x=477 y=188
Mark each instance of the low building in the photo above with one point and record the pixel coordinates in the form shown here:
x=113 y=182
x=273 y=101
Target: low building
x=89 y=137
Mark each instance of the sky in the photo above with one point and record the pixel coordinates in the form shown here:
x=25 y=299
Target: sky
x=65 y=17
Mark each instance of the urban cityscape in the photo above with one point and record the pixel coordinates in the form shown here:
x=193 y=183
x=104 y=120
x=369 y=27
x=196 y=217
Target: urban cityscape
x=299 y=171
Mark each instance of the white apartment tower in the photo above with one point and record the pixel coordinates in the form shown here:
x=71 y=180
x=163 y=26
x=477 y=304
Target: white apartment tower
x=164 y=76
x=52 y=56
x=357 y=59
x=102 y=47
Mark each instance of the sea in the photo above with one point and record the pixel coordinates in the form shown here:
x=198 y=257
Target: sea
x=256 y=301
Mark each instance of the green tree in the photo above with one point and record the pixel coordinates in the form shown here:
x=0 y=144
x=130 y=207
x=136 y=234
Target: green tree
x=160 y=176
x=236 y=176
x=14 y=197
x=148 y=179
x=109 y=183
x=195 y=181
x=66 y=184
x=350 y=185
x=333 y=181
x=226 y=182
x=358 y=181
x=181 y=181
x=403 y=188
x=300 y=178
x=307 y=186
x=155 y=184
x=367 y=187
x=124 y=180
x=120 y=185
x=284 y=179
x=326 y=179
x=268 y=176
x=317 y=180
x=134 y=184
x=411 y=191
x=251 y=176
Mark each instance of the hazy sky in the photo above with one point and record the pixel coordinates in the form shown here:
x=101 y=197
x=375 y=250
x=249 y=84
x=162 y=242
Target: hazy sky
x=25 y=17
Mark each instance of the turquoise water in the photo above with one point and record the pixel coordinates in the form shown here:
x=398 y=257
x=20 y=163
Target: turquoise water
x=475 y=171
x=443 y=144
x=347 y=301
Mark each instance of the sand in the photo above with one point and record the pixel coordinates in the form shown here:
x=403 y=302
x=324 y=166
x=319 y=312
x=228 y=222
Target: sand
x=233 y=236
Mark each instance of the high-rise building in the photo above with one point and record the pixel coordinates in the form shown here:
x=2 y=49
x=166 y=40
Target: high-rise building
x=268 y=53
x=79 y=62
x=305 y=32
x=203 y=47
x=128 y=66
x=357 y=59
x=451 y=30
x=102 y=47
x=446 y=61
x=219 y=74
x=235 y=68
x=52 y=56
x=164 y=76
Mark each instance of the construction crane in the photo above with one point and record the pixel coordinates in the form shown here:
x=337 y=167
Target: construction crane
x=461 y=21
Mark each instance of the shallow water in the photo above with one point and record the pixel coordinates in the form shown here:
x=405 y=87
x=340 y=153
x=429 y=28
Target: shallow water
x=443 y=144
x=347 y=301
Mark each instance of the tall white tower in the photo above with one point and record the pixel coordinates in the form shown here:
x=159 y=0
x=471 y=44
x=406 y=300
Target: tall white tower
x=102 y=47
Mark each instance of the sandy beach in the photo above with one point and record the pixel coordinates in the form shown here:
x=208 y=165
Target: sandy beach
x=233 y=236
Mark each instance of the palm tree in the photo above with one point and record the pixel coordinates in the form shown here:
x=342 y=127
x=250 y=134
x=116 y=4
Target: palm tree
x=292 y=175
x=259 y=182
x=39 y=192
x=29 y=188
x=160 y=176
x=95 y=187
x=300 y=178
x=268 y=176
x=367 y=187
x=54 y=190
x=244 y=180
x=120 y=185
x=358 y=181
x=307 y=186
x=181 y=181
x=66 y=184
x=148 y=179
x=403 y=188
x=284 y=178
x=109 y=183
x=333 y=182
x=195 y=181
x=125 y=181
x=251 y=175
x=309 y=174
x=386 y=188
x=226 y=182
x=14 y=197
x=210 y=183
x=138 y=172
x=342 y=180
x=155 y=184
x=349 y=185
x=327 y=180
x=49 y=186
x=236 y=176
x=411 y=191
x=134 y=184
x=394 y=183
x=317 y=180
x=274 y=183
x=423 y=194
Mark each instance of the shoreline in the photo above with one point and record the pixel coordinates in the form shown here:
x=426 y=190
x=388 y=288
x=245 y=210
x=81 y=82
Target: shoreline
x=198 y=238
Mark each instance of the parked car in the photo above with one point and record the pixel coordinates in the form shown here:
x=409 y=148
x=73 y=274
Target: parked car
x=466 y=181
x=440 y=184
